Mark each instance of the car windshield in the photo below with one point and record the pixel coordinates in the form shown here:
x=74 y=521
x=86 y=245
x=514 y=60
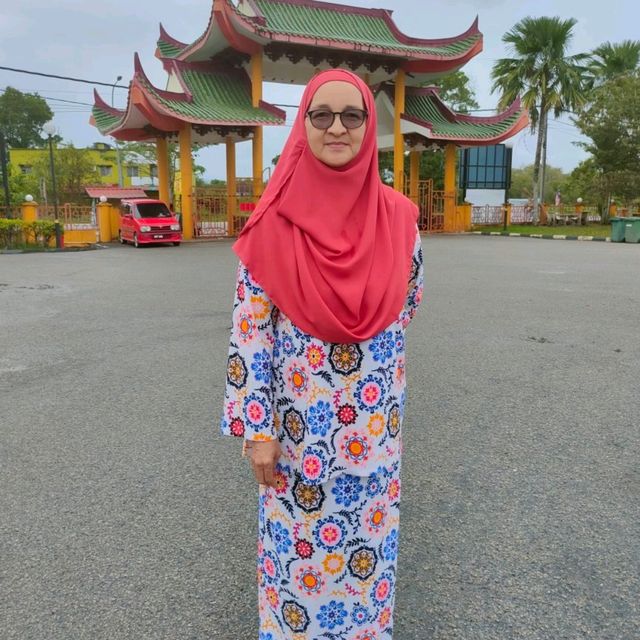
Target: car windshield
x=153 y=210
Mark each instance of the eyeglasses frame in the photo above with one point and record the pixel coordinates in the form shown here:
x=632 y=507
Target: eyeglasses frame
x=337 y=113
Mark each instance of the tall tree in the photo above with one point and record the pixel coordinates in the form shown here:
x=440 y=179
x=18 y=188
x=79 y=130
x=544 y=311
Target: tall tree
x=611 y=122
x=611 y=60
x=21 y=118
x=544 y=75
x=20 y=185
x=456 y=92
x=587 y=182
x=522 y=180
x=74 y=170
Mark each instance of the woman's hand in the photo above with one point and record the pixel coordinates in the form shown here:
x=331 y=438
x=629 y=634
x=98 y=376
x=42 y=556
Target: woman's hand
x=263 y=457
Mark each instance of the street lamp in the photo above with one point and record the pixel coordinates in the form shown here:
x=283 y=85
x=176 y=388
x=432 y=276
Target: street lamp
x=118 y=159
x=50 y=130
x=113 y=88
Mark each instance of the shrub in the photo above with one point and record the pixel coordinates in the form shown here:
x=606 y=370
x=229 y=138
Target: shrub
x=14 y=233
x=40 y=232
x=11 y=233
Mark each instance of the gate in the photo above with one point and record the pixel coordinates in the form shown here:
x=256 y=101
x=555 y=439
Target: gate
x=216 y=215
x=430 y=204
x=210 y=213
x=72 y=216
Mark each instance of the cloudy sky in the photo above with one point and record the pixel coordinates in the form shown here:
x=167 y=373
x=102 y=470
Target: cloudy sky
x=97 y=40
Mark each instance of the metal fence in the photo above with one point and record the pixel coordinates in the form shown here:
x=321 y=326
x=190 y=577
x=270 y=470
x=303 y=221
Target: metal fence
x=487 y=214
x=217 y=215
x=72 y=216
x=523 y=214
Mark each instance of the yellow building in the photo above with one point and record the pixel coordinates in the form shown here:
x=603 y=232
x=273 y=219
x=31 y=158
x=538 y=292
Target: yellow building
x=104 y=158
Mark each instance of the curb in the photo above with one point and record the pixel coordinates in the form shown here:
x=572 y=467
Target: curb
x=91 y=247
x=540 y=236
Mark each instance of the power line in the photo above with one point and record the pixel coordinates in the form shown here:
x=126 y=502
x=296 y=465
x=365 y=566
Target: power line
x=52 y=75
x=84 y=104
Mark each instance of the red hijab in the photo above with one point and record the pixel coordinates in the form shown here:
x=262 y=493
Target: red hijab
x=331 y=247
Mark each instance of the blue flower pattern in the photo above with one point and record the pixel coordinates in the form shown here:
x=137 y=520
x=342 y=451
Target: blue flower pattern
x=280 y=537
x=391 y=545
x=382 y=346
x=302 y=525
x=368 y=376
x=319 y=418
x=261 y=366
x=360 y=615
x=332 y=615
x=347 y=489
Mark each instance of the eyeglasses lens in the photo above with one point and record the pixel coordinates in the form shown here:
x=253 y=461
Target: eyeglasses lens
x=351 y=119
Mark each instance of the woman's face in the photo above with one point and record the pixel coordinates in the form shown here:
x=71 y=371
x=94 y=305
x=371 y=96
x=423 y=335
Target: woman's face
x=336 y=145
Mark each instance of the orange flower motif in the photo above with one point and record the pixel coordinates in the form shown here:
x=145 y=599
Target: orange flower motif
x=376 y=518
x=260 y=307
x=394 y=489
x=333 y=563
x=385 y=618
x=315 y=356
x=298 y=379
x=262 y=437
x=376 y=424
x=272 y=597
x=246 y=328
x=355 y=447
x=309 y=580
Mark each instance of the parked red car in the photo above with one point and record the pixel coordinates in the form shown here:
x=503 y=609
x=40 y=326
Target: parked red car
x=146 y=221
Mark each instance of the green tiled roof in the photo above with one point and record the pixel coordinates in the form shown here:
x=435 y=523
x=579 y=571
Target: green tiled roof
x=105 y=120
x=217 y=97
x=424 y=107
x=168 y=49
x=343 y=26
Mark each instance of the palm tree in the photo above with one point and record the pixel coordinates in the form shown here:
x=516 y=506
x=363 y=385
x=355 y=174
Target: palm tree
x=544 y=76
x=611 y=60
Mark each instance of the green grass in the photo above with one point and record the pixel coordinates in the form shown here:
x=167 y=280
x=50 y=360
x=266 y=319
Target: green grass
x=599 y=230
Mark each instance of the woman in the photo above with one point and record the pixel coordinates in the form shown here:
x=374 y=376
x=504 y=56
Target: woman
x=330 y=276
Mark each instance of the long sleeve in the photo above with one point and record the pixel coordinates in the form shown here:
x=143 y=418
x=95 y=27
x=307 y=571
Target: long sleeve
x=415 y=286
x=248 y=410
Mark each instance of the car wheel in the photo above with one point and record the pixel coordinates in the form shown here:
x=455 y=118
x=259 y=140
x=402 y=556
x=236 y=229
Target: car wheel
x=176 y=244
x=121 y=240
x=136 y=244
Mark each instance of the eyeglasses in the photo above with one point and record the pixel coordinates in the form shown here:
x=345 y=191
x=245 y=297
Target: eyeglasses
x=324 y=119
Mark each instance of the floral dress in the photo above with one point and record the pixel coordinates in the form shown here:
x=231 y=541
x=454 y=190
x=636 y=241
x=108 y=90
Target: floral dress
x=328 y=533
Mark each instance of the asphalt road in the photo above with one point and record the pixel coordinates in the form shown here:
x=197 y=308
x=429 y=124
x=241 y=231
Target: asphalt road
x=124 y=515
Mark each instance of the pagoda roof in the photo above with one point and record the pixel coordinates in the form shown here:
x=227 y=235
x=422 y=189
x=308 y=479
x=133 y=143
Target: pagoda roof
x=427 y=120
x=168 y=47
x=301 y=36
x=215 y=101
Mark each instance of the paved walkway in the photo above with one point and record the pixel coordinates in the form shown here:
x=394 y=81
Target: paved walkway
x=123 y=515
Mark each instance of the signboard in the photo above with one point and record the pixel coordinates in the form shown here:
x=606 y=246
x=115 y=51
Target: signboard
x=485 y=167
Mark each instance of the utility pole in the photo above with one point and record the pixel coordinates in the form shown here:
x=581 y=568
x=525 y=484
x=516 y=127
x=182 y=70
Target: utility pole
x=5 y=173
x=50 y=130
